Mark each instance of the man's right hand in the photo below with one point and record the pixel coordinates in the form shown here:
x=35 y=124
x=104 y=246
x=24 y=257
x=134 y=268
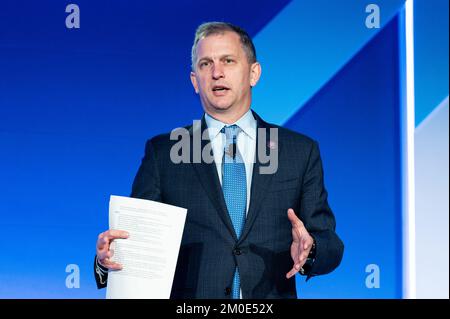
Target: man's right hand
x=103 y=244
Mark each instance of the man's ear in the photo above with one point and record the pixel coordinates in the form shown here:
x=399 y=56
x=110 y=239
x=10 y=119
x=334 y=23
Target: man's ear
x=255 y=73
x=194 y=81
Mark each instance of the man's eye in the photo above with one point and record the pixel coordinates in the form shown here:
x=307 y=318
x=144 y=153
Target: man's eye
x=203 y=64
x=229 y=61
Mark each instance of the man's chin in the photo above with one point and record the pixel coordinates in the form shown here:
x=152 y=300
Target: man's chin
x=221 y=108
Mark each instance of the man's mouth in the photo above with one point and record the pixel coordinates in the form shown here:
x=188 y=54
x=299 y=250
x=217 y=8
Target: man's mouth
x=220 y=88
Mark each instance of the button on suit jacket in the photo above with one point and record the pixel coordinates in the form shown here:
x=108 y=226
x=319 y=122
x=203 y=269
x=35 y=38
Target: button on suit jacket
x=210 y=250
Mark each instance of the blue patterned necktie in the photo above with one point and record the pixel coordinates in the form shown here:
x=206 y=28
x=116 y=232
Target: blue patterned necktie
x=234 y=187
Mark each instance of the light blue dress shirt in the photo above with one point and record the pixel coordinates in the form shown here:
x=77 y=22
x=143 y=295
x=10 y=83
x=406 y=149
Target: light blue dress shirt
x=246 y=144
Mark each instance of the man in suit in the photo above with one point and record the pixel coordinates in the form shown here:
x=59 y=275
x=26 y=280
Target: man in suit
x=249 y=229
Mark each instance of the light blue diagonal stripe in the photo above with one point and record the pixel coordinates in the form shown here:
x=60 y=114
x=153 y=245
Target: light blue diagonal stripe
x=304 y=46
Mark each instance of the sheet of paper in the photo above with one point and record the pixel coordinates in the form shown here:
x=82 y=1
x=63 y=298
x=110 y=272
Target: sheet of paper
x=149 y=255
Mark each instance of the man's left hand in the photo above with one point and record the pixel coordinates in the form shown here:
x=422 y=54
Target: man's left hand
x=301 y=243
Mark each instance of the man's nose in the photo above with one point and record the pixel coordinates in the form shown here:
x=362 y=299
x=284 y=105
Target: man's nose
x=217 y=72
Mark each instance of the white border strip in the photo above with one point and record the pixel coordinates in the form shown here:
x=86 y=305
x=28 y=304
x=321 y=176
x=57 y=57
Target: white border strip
x=409 y=230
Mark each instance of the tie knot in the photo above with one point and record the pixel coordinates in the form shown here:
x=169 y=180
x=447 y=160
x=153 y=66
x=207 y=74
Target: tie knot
x=231 y=131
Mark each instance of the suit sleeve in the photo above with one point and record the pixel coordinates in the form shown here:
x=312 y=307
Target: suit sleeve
x=318 y=218
x=100 y=273
x=146 y=185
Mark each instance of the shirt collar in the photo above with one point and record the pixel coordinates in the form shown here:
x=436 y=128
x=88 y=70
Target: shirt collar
x=247 y=123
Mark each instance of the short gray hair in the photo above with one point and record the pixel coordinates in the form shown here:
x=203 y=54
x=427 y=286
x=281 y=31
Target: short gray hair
x=212 y=28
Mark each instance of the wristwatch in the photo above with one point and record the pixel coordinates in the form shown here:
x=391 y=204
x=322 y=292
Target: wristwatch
x=306 y=269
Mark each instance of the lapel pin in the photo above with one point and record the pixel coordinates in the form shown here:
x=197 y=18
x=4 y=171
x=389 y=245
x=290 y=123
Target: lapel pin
x=272 y=145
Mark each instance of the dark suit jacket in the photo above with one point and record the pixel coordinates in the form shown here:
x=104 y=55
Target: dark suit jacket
x=210 y=250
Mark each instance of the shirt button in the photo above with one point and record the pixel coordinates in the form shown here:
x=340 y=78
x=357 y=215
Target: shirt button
x=227 y=291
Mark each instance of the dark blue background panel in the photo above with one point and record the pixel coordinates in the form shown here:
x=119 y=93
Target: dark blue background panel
x=355 y=118
x=129 y=63
x=76 y=107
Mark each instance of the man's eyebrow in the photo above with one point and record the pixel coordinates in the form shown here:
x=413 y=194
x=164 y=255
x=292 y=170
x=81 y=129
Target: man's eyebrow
x=227 y=56
x=205 y=59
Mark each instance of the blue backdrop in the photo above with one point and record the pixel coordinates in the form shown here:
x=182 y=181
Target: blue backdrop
x=77 y=105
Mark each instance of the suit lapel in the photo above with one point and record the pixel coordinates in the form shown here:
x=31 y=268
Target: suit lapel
x=207 y=174
x=260 y=182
